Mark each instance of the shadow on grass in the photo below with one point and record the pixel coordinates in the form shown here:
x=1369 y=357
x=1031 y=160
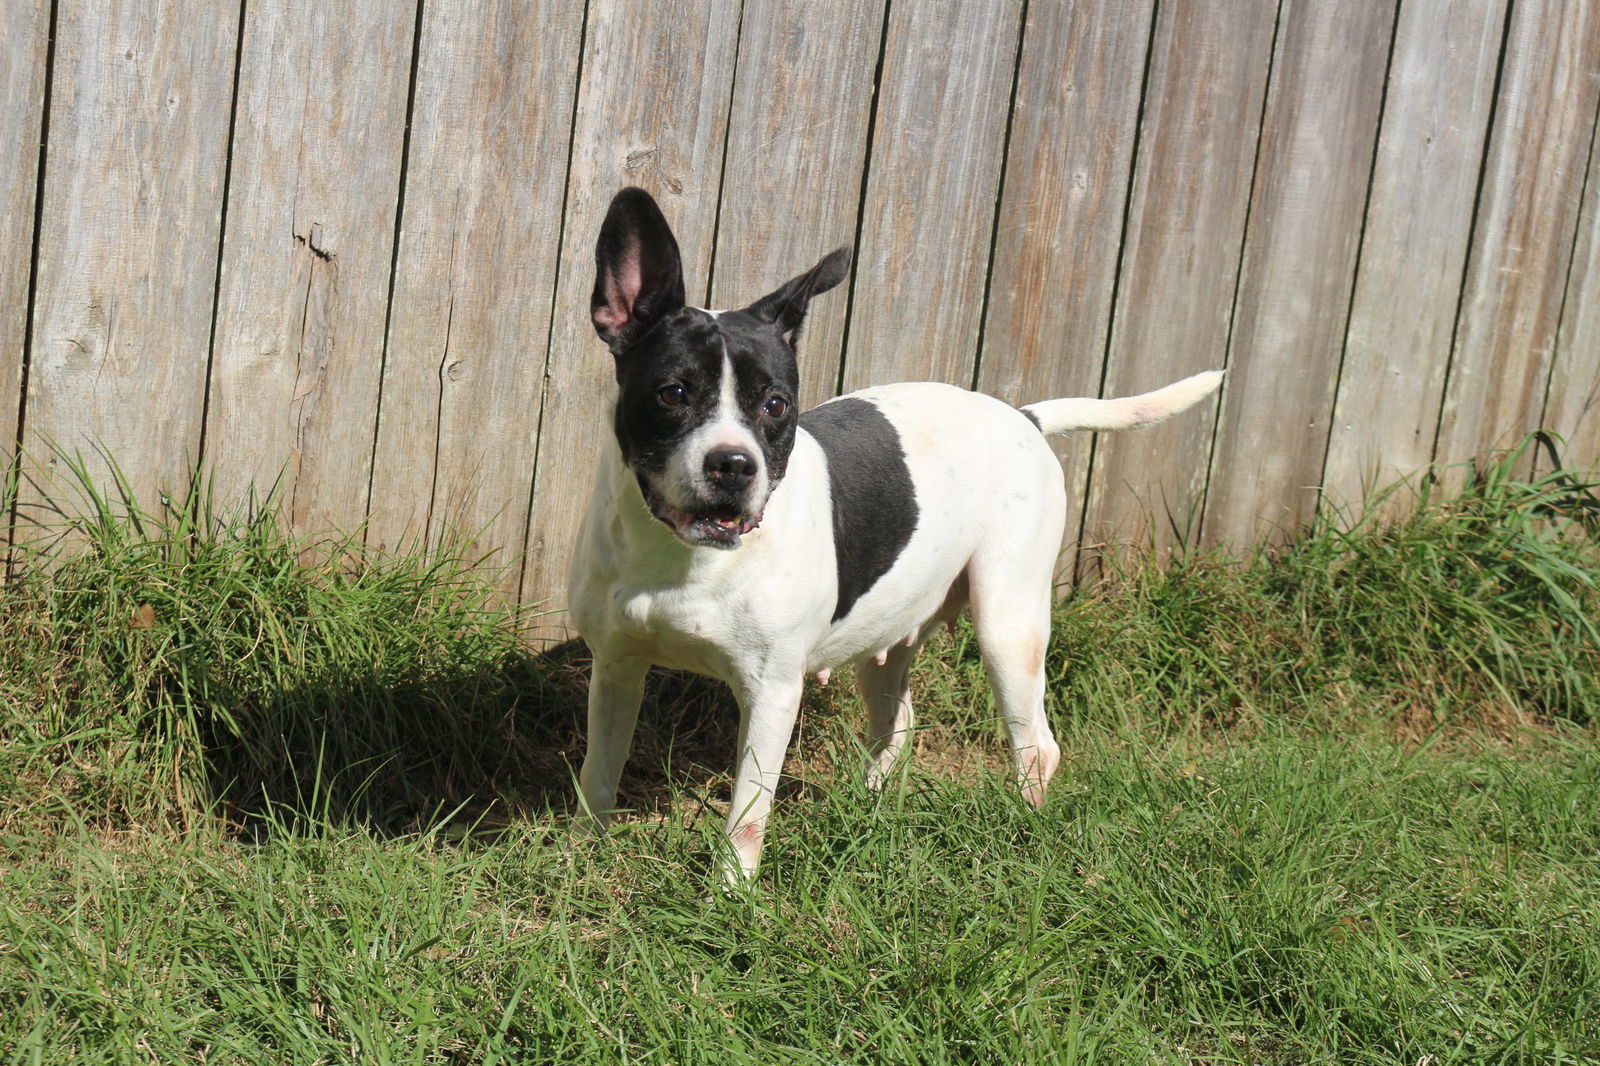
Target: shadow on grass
x=486 y=746
x=184 y=660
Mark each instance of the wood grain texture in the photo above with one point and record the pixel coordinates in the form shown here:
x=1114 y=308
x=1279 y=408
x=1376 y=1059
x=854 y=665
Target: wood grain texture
x=797 y=140
x=464 y=369
x=1572 y=405
x=23 y=32
x=1061 y=213
x=1317 y=138
x=1529 y=211
x=932 y=184
x=311 y=213
x=1414 y=247
x=1181 y=260
x=138 y=136
x=652 y=111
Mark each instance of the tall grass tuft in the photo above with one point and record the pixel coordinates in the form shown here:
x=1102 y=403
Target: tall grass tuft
x=161 y=662
x=1478 y=608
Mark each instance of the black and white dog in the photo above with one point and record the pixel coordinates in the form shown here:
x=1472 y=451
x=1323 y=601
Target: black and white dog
x=730 y=535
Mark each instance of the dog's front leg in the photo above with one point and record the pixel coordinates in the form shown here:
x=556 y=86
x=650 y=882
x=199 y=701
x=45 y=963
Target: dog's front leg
x=615 y=688
x=767 y=711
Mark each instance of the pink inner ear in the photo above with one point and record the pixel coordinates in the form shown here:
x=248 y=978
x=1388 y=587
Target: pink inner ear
x=622 y=285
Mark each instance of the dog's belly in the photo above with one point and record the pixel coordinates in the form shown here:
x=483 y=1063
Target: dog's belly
x=889 y=616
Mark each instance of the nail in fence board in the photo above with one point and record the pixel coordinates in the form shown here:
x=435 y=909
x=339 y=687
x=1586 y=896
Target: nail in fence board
x=1317 y=140
x=1572 y=406
x=1202 y=113
x=310 y=242
x=23 y=29
x=464 y=369
x=138 y=133
x=932 y=183
x=797 y=141
x=1061 y=213
x=1529 y=211
x=652 y=111
x=1414 y=247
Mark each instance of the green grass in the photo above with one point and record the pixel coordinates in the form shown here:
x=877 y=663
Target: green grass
x=1339 y=802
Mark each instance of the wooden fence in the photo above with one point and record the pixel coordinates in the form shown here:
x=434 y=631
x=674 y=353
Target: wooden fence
x=346 y=247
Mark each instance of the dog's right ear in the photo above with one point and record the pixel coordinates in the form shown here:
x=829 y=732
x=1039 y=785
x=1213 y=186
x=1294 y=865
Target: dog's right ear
x=638 y=273
x=785 y=308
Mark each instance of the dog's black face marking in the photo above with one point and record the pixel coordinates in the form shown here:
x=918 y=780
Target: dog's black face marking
x=706 y=420
x=874 y=501
x=668 y=385
x=705 y=411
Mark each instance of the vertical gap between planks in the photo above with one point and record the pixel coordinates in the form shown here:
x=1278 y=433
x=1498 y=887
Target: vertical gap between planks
x=1472 y=233
x=1191 y=538
x=222 y=240
x=999 y=194
x=722 y=170
x=14 y=475
x=394 y=268
x=1361 y=244
x=1116 y=275
x=555 y=297
x=438 y=398
x=861 y=200
x=1566 y=289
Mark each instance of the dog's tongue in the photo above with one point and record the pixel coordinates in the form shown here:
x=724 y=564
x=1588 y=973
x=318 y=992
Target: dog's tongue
x=735 y=525
x=732 y=525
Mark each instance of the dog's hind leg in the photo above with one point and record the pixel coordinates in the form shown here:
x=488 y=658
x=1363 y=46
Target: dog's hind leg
x=615 y=688
x=1012 y=620
x=886 y=689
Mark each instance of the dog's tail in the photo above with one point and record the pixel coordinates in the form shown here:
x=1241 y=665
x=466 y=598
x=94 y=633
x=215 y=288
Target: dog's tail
x=1066 y=416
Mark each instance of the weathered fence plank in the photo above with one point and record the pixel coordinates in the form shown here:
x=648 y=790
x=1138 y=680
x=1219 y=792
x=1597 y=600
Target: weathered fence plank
x=23 y=32
x=1181 y=258
x=464 y=370
x=932 y=183
x=1572 y=405
x=1061 y=213
x=1317 y=140
x=797 y=140
x=1518 y=270
x=652 y=111
x=1414 y=248
x=138 y=135
x=309 y=245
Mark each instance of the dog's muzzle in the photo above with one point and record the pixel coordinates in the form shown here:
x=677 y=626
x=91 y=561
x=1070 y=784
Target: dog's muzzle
x=714 y=523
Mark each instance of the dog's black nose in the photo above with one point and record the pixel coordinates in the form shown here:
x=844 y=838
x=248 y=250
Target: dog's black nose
x=730 y=469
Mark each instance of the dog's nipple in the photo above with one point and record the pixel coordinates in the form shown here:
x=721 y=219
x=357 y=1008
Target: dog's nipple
x=823 y=676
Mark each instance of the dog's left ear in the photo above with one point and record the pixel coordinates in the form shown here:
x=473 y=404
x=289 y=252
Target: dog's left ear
x=638 y=273
x=785 y=308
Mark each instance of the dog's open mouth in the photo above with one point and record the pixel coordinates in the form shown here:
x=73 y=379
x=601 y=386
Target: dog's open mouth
x=719 y=527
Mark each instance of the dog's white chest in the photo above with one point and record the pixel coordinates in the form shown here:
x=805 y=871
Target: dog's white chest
x=677 y=627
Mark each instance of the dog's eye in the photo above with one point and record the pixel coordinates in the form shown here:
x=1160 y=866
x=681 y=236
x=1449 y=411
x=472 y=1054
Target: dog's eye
x=673 y=395
x=775 y=406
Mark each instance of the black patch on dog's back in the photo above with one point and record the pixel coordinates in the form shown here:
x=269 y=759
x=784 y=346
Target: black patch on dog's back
x=874 y=502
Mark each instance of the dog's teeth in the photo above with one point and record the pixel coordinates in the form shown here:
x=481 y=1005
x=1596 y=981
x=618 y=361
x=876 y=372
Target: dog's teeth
x=823 y=676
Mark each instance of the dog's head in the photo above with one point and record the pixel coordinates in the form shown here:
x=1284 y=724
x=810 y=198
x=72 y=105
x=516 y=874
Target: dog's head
x=706 y=403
